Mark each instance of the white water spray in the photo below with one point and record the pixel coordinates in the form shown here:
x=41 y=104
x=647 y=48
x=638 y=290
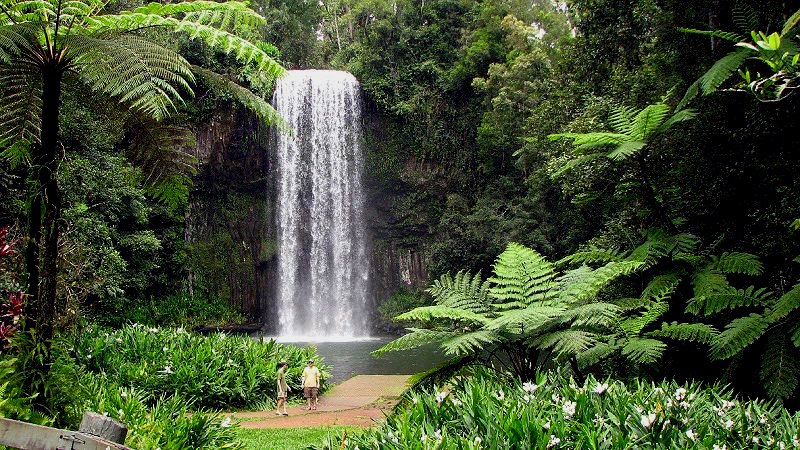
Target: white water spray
x=322 y=256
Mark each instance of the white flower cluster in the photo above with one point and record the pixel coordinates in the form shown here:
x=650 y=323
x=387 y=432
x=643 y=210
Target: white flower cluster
x=569 y=409
x=553 y=441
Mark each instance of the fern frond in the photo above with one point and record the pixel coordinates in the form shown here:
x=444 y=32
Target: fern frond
x=630 y=304
x=787 y=303
x=20 y=104
x=738 y=262
x=713 y=303
x=15 y=38
x=589 y=141
x=661 y=287
x=791 y=23
x=592 y=255
x=575 y=162
x=526 y=320
x=591 y=283
x=567 y=342
x=648 y=121
x=643 y=350
x=780 y=366
x=723 y=69
x=596 y=314
x=593 y=355
x=745 y=17
x=255 y=104
x=472 y=342
x=464 y=291
x=707 y=281
x=692 y=332
x=172 y=190
x=221 y=15
x=621 y=120
x=429 y=313
x=520 y=273
x=633 y=326
x=625 y=150
x=738 y=335
x=726 y=35
x=796 y=337
x=417 y=337
x=159 y=150
x=681 y=115
x=244 y=51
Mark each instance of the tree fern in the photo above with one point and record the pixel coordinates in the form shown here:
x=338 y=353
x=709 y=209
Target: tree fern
x=713 y=303
x=780 y=366
x=692 y=332
x=592 y=255
x=525 y=320
x=599 y=352
x=737 y=262
x=653 y=311
x=643 y=350
x=417 y=337
x=595 y=314
x=468 y=343
x=661 y=286
x=464 y=291
x=519 y=274
x=566 y=342
x=434 y=312
x=738 y=335
x=787 y=303
x=589 y=285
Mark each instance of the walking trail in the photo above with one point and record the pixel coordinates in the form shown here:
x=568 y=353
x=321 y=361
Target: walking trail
x=360 y=401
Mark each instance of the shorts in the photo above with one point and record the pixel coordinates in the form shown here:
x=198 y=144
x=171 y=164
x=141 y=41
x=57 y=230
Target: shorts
x=282 y=394
x=310 y=392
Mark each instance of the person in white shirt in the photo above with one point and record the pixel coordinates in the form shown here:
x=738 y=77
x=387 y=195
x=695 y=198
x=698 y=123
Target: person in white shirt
x=310 y=384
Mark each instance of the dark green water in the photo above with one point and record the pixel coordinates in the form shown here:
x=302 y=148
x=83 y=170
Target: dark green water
x=353 y=358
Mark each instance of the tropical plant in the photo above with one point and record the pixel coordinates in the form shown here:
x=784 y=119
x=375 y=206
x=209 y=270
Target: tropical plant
x=48 y=46
x=630 y=142
x=486 y=411
x=523 y=317
x=778 y=56
x=215 y=371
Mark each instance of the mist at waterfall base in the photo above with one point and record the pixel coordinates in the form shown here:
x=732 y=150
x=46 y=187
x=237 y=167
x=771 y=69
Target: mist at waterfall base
x=323 y=263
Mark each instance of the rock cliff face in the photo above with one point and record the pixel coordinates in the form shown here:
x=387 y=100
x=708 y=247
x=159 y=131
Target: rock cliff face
x=231 y=227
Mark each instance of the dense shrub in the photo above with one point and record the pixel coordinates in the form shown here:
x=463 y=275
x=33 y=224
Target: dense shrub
x=216 y=371
x=174 y=311
x=488 y=412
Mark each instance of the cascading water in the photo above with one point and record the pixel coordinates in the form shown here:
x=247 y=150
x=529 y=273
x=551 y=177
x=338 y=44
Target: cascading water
x=322 y=256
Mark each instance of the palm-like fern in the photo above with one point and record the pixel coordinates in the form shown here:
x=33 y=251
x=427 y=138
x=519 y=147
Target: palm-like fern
x=47 y=46
x=778 y=51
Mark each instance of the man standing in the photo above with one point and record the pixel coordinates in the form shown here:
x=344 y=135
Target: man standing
x=310 y=384
x=283 y=388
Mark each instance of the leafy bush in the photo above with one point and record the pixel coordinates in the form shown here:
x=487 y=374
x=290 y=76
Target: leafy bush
x=178 y=311
x=164 y=423
x=216 y=371
x=487 y=412
x=399 y=303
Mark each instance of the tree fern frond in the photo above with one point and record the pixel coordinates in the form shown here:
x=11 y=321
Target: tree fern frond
x=648 y=121
x=16 y=38
x=471 y=342
x=737 y=262
x=643 y=350
x=745 y=17
x=520 y=273
x=595 y=354
x=417 y=337
x=465 y=291
x=691 y=93
x=592 y=255
x=20 y=104
x=630 y=304
x=526 y=320
x=692 y=332
x=243 y=50
x=791 y=23
x=707 y=281
x=738 y=335
x=625 y=150
x=653 y=311
x=726 y=35
x=575 y=162
x=159 y=150
x=661 y=286
x=780 y=366
x=218 y=14
x=429 y=313
x=596 y=314
x=713 y=303
x=593 y=282
x=723 y=69
x=787 y=303
x=621 y=120
x=567 y=342
x=172 y=190
x=257 y=105
x=685 y=243
x=588 y=141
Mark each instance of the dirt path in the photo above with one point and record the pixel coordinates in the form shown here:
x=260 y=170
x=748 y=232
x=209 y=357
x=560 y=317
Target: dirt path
x=360 y=401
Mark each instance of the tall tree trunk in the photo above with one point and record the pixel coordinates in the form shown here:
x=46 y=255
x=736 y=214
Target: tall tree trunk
x=45 y=214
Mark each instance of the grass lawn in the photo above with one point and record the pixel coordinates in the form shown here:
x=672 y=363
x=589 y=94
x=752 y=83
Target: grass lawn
x=291 y=438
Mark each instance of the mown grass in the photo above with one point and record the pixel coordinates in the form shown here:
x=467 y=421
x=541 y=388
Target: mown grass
x=291 y=438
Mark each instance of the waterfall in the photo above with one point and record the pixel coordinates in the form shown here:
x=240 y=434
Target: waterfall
x=322 y=256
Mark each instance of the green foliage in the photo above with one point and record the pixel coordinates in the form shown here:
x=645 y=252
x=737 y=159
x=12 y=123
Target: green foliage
x=217 y=371
x=551 y=411
x=179 y=310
